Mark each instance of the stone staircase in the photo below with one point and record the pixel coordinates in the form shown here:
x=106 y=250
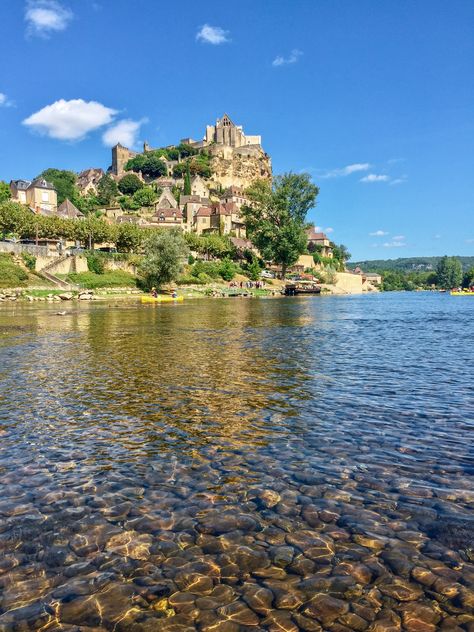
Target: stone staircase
x=48 y=273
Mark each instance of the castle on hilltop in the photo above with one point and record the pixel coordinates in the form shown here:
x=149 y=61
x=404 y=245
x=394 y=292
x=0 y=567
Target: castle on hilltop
x=236 y=159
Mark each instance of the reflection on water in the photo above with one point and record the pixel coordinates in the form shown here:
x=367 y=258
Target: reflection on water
x=226 y=465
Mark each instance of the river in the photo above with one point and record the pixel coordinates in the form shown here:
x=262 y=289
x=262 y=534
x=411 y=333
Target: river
x=223 y=465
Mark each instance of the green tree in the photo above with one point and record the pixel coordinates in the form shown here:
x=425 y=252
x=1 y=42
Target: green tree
x=165 y=255
x=88 y=203
x=468 y=278
x=128 y=237
x=227 y=269
x=276 y=221
x=150 y=164
x=187 y=181
x=93 y=230
x=5 y=193
x=64 y=182
x=107 y=190
x=253 y=269
x=145 y=196
x=340 y=254
x=449 y=272
x=129 y=184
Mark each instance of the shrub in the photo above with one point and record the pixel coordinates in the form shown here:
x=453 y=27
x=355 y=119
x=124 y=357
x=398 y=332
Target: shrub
x=95 y=263
x=210 y=268
x=227 y=269
x=11 y=275
x=189 y=279
x=30 y=260
x=129 y=184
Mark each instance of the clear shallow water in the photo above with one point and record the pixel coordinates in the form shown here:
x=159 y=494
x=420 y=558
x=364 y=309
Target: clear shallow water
x=233 y=465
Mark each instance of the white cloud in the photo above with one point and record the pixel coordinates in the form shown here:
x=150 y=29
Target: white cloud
x=44 y=17
x=212 y=35
x=378 y=233
x=291 y=59
x=124 y=132
x=347 y=170
x=70 y=120
x=400 y=180
x=399 y=238
x=373 y=177
x=394 y=244
x=5 y=101
x=329 y=230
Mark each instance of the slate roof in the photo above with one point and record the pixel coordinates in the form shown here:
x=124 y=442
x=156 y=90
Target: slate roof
x=67 y=209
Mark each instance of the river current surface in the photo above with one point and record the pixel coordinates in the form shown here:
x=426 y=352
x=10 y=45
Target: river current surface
x=226 y=465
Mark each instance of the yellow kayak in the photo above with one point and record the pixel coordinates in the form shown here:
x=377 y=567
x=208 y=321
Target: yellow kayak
x=461 y=293
x=161 y=299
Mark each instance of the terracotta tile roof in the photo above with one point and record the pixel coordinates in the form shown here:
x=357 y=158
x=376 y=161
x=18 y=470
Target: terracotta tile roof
x=316 y=236
x=204 y=211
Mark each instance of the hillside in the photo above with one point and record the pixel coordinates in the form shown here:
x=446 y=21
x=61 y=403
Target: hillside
x=407 y=264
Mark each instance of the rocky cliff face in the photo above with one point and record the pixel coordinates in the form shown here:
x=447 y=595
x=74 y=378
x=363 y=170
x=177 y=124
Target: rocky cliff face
x=240 y=169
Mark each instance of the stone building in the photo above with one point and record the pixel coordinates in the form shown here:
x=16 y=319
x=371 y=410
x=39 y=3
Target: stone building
x=88 y=180
x=39 y=195
x=321 y=240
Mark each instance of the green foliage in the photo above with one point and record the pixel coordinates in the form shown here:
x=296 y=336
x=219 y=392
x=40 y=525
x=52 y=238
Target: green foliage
x=189 y=279
x=449 y=272
x=5 y=193
x=92 y=280
x=468 y=278
x=107 y=190
x=129 y=184
x=145 y=196
x=64 y=182
x=187 y=181
x=191 y=260
x=209 y=268
x=227 y=269
x=340 y=256
x=11 y=275
x=150 y=164
x=95 y=263
x=210 y=245
x=128 y=237
x=29 y=260
x=88 y=204
x=398 y=280
x=127 y=203
x=408 y=264
x=165 y=253
x=186 y=150
x=253 y=269
x=276 y=221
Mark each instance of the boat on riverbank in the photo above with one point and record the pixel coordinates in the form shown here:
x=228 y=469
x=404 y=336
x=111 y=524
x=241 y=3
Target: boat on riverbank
x=301 y=287
x=162 y=299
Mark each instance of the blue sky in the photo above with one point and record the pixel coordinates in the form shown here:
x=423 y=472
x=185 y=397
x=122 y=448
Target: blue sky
x=374 y=99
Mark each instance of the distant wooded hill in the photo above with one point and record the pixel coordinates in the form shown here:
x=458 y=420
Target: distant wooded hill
x=407 y=264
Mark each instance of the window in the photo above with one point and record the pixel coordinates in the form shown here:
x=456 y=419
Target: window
x=44 y=196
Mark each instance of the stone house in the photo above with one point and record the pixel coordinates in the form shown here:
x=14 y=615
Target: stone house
x=39 y=195
x=88 y=180
x=321 y=240
x=167 y=218
x=199 y=187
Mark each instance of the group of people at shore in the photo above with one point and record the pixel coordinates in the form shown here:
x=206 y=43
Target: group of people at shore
x=258 y=285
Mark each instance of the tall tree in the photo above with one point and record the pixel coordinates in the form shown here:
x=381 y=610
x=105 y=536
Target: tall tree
x=64 y=182
x=5 y=193
x=165 y=254
x=187 y=181
x=129 y=184
x=276 y=220
x=106 y=190
x=449 y=272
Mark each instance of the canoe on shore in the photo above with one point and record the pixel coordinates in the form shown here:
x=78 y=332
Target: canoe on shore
x=161 y=299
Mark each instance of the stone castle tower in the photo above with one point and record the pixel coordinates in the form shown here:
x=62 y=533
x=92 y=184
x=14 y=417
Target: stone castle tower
x=120 y=156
